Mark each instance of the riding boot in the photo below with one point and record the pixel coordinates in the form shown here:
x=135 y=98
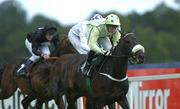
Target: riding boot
x=24 y=68
x=87 y=66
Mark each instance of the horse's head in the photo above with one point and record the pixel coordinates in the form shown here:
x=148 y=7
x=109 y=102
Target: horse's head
x=129 y=46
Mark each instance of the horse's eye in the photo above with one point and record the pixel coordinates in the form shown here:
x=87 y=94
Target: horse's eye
x=128 y=42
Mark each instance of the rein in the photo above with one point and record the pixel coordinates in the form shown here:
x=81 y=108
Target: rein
x=109 y=76
x=118 y=56
x=113 y=56
x=52 y=58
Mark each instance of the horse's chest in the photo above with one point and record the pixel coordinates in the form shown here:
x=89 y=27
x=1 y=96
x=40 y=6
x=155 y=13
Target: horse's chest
x=111 y=89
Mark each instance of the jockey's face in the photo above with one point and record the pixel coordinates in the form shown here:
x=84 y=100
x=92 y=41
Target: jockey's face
x=50 y=34
x=49 y=37
x=112 y=28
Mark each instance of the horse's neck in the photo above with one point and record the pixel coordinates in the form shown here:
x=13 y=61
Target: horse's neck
x=116 y=67
x=64 y=47
x=56 y=53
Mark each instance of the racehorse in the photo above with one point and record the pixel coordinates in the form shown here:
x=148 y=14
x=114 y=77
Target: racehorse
x=38 y=85
x=109 y=83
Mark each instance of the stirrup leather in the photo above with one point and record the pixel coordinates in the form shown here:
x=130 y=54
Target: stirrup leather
x=85 y=69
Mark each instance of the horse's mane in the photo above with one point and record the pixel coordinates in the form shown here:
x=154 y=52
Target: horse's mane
x=63 y=47
x=2 y=67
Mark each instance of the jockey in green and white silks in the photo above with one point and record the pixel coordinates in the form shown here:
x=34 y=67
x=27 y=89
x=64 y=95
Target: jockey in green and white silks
x=94 y=35
x=84 y=36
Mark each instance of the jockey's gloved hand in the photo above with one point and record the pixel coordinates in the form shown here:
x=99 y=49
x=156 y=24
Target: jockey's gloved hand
x=45 y=56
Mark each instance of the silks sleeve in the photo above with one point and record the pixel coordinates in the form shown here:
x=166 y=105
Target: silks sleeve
x=92 y=42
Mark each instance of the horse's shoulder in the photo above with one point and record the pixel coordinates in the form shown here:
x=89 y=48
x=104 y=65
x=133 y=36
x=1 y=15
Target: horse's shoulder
x=80 y=56
x=66 y=58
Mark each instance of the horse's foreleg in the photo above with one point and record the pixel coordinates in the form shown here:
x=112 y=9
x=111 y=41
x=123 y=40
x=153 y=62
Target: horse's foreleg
x=71 y=102
x=39 y=104
x=61 y=104
x=123 y=102
x=26 y=101
x=91 y=104
x=112 y=106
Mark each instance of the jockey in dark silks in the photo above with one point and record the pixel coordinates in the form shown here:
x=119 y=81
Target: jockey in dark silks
x=37 y=43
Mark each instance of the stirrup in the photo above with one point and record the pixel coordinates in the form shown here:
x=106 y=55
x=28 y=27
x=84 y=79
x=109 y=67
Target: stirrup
x=86 y=71
x=22 y=70
x=21 y=67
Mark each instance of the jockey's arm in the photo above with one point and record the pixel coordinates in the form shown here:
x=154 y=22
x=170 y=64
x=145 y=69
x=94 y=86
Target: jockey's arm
x=92 y=42
x=35 y=47
x=36 y=50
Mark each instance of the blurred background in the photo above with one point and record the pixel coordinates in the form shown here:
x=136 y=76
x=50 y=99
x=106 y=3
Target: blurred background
x=155 y=23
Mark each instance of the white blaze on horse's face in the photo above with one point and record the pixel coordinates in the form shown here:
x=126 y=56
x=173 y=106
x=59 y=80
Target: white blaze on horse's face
x=137 y=48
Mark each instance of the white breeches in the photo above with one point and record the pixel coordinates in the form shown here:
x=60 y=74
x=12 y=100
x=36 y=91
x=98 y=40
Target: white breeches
x=78 y=37
x=44 y=49
x=80 y=44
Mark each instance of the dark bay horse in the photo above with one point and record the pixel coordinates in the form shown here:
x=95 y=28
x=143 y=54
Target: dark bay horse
x=109 y=83
x=38 y=85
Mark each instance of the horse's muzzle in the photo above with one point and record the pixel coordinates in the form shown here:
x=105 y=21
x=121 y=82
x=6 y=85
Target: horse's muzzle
x=140 y=56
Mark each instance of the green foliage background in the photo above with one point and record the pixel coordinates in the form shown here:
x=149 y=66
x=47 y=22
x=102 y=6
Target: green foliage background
x=157 y=30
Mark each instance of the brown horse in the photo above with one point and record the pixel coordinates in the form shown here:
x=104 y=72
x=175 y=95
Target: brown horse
x=10 y=82
x=38 y=85
x=109 y=83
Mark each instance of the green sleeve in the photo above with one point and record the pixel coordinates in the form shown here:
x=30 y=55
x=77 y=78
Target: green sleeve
x=116 y=38
x=92 y=43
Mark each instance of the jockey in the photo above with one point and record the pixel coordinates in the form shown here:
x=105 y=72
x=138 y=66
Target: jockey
x=85 y=36
x=37 y=43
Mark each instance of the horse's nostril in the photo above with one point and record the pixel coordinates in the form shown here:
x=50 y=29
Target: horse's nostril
x=141 y=56
x=141 y=59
